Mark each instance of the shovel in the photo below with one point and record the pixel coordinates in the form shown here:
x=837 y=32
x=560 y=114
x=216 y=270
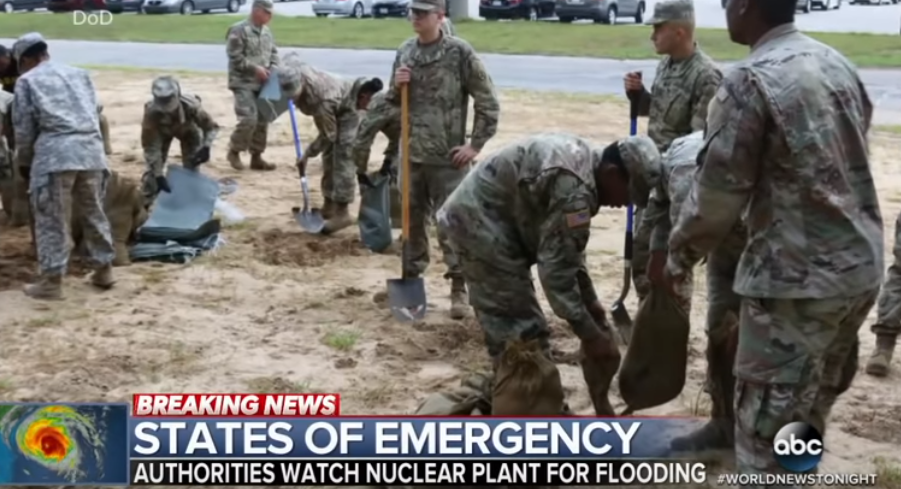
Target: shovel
x=406 y=295
x=309 y=219
x=620 y=314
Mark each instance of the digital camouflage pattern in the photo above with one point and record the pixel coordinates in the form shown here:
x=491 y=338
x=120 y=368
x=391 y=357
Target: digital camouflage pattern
x=889 y=306
x=124 y=207
x=248 y=47
x=7 y=179
x=786 y=147
x=672 y=11
x=447 y=27
x=526 y=204
x=172 y=114
x=381 y=117
x=444 y=76
x=332 y=102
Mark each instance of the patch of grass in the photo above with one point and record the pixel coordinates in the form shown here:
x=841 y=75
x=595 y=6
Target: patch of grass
x=888 y=473
x=549 y=38
x=894 y=129
x=278 y=385
x=5 y=386
x=43 y=321
x=341 y=339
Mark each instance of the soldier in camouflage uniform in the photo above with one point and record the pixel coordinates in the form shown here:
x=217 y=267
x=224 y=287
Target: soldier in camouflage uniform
x=786 y=147
x=252 y=56
x=677 y=103
x=173 y=114
x=334 y=103
x=381 y=116
x=531 y=203
x=447 y=27
x=678 y=169
x=64 y=153
x=443 y=72
x=888 y=321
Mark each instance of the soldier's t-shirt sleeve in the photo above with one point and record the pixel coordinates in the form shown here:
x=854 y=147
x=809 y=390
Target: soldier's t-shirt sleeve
x=561 y=253
x=234 y=48
x=704 y=90
x=152 y=144
x=485 y=104
x=730 y=162
x=25 y=123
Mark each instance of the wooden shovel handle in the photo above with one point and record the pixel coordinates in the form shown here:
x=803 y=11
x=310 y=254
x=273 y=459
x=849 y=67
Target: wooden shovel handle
x=405 y=160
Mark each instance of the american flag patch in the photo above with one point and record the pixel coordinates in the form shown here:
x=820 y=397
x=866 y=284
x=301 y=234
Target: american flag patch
x=578 y=219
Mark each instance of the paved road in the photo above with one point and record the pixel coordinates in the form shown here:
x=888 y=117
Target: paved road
x=547 y=73
x=880 y=19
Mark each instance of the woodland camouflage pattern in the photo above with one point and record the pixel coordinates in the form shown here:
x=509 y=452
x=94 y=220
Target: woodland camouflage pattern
x=124 y=207
x=187 y=121
x=381 y=116
x=786 y=146
x=66 y=160
x=249 y=47
x=332 y=102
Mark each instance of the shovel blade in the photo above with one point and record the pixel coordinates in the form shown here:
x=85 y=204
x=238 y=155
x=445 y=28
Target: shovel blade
x=310 y=220
x=406 y=296
x=622 y=321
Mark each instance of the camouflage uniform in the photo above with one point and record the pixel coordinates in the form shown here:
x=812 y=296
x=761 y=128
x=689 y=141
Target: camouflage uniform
x=381 y=116
x=679 y=168
x=444 y=75
x=332 y=102
x=447 y=27
x=675 y=107
x=65 y=155
x=530 y=203
x=248 y=47
x=888 y=321
x=786 y=147
x=172 y=114
x=123 y=205
x=7 y=180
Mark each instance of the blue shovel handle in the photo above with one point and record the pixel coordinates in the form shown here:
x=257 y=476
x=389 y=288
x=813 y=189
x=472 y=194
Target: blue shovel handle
x=297 y=149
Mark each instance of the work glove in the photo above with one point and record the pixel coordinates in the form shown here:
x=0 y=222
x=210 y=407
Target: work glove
x=202 y=156
x=364 y=181
x=386 y=168
x=162 y=185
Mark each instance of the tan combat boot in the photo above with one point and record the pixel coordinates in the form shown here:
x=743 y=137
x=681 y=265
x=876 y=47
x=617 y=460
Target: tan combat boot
x=328 y=208
x=234 y=159
x=881 y=361
x=459 y=302
x=102 y=278
x=258 y=163
x=47 y=288
x=339 y=220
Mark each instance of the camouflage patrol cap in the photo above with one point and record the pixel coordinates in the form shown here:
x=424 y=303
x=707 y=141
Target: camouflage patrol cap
x=672 y=10
x=643 y=163
x=429 y=5
x=263 y=4
x=165 y=91
x=26 y=41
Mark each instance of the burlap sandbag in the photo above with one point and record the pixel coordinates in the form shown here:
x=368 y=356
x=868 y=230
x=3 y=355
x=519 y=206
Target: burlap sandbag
x=470 y=399
x=653 y=372
x=526 y=383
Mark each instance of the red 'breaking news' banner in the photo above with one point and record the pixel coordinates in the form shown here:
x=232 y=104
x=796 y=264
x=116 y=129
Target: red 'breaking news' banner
x=237 y=405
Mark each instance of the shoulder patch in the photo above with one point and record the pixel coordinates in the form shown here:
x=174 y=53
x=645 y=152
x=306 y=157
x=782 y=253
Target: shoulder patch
x=578 y=219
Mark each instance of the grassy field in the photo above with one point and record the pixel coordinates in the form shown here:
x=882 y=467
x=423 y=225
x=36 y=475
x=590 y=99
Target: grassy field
x=550 y=38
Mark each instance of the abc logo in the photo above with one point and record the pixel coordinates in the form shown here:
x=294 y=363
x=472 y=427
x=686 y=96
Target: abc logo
x=798 y=447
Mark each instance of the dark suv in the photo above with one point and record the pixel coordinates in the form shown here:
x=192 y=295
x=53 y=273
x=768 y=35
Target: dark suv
x=516 y=9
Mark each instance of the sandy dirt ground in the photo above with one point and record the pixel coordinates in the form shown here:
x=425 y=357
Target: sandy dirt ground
x=275 y=310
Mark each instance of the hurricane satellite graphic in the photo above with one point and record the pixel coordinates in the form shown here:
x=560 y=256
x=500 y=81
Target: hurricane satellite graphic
x=63 y=444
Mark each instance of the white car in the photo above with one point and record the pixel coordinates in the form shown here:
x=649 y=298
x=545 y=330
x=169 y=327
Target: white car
x=351 y=8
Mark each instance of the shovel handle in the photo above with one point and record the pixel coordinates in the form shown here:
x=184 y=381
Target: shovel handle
x=298 y=152
x=405 y=159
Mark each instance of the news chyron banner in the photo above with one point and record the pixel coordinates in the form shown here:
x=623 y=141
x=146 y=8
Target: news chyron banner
x=301 y=439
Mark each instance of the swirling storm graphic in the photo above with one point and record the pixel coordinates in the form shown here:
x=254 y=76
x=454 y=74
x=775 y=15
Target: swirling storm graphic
x=54 y=440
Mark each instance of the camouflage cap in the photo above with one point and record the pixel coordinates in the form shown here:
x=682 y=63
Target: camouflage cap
x=165 y=91
x=263 y=4
x=429 y=5
x=290 y=73
x=643 y=163
x=672 y=10
x=25 y=42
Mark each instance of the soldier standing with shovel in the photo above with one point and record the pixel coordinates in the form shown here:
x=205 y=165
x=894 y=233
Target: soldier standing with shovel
x=441 y=72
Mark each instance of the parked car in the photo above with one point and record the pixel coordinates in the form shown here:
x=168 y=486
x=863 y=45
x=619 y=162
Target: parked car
x=188 y=7
x=73 y=5
x=10 y=6
x=516 y=9
x=600 y=11
x=871 y=2
x=351 y=8
x=390 y=8
x=119 y=6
